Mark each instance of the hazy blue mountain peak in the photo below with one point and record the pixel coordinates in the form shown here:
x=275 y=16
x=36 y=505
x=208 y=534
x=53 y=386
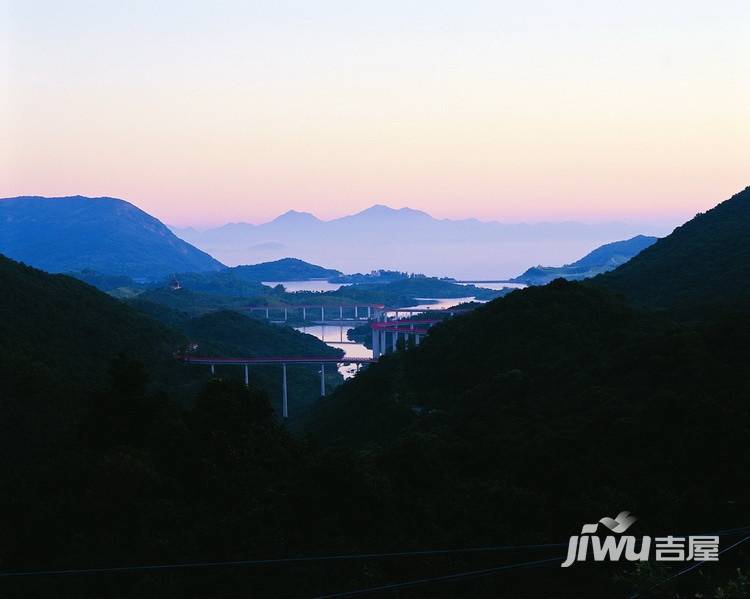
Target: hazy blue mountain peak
x=383 y=211
x=295 y=217
x=407 y=239
x=108 y=235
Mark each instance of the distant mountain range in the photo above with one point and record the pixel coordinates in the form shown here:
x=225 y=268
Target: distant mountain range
x=602 y=259
x=107 y=235
x=409 y=240
x=111 y=237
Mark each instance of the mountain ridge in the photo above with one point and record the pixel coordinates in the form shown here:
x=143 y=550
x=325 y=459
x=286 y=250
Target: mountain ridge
x=705 y=260
x=109 y=235
x=390 y=210
x=381 y=237
x=602 y=259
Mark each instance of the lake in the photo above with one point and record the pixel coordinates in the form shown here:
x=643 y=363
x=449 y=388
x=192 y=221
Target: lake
x=312 y=285
x=333 y=335
x=440 y=303
x=323 y=285
x=496 y=285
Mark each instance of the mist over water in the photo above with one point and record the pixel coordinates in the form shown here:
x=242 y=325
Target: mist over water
x=412 y=241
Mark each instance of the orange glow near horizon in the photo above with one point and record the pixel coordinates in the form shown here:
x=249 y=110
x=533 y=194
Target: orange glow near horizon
x=501 y=112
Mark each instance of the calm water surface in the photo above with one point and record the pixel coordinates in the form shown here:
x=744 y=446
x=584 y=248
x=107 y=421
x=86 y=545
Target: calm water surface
x=333 y=336
x=496 y=286
x=293 y=286
x=440 y=303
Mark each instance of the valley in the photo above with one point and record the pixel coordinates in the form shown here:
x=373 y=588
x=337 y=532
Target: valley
x=430 y=407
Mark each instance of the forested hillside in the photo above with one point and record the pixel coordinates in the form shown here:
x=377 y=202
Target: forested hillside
x=562 y=400
x=706 y=260
x=70 y=332
x=286 y=269
x=227 y=333
x=556 y=402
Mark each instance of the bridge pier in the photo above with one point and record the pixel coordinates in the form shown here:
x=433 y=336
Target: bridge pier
x=284 y=405
x=213 y=361
x=341 y=312
x=356 y=313
x=286 y=315
x=304 y=313
x=394 y=339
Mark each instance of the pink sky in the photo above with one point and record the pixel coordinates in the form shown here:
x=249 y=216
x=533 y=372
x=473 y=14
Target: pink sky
x=200 y=115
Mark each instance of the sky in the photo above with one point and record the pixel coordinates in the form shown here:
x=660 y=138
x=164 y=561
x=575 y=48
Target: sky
x=203 y=113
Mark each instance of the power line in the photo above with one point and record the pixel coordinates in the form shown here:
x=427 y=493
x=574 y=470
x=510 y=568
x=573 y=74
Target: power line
x=689 y=568
x=490 y=571
x=440 y=579
x=276 y=561
x=302 y=559
x=728 y=531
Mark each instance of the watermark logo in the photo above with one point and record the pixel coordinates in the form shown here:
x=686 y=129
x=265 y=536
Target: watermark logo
x=618 y=546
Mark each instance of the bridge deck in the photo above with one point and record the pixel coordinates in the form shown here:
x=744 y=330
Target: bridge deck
x=220 y=360
x=314 y=306
x=389 y=324
x=409 y=331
